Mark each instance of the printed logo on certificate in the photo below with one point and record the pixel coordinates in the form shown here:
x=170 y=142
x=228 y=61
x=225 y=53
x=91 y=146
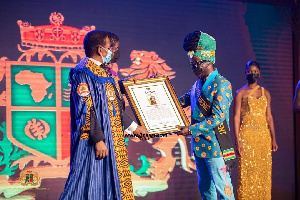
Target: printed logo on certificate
x=155 y=105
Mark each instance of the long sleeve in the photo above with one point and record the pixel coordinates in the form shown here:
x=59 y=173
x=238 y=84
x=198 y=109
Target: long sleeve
x=185 y=100
x=122 y=88
x=126 y=120
x=222 y=98
x=96 y=133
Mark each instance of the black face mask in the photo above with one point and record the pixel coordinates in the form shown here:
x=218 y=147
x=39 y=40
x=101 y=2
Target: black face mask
x=116 y=56
x=252 y=78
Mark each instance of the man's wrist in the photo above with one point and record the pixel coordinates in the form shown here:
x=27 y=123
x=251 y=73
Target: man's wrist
x=133 y=126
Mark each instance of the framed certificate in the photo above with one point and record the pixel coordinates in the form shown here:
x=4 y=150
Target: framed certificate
x=155 y=105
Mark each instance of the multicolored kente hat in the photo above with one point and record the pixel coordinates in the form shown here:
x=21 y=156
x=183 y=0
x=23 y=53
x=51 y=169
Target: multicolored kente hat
x=206 y=49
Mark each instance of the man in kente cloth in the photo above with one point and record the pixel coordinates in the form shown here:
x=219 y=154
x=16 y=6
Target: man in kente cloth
x=99 y=162
x=210 y=98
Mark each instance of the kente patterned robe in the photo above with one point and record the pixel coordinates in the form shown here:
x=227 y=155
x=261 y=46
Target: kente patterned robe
x=95 y=116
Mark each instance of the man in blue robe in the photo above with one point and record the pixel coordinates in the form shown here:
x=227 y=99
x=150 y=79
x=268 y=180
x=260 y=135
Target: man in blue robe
x=99 y=162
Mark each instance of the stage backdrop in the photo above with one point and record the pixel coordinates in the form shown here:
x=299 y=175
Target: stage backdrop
x=41 y=40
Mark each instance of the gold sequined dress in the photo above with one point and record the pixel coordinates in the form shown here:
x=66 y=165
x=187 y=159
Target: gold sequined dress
x=255 y=166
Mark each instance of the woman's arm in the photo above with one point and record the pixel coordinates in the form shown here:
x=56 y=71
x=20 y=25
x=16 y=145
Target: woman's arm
x=237 y=102
x=270 y=121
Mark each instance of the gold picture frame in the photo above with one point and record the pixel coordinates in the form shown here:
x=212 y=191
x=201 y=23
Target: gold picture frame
x=155 y=105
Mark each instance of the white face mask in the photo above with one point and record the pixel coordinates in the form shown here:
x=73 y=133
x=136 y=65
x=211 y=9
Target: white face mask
x=107 y=58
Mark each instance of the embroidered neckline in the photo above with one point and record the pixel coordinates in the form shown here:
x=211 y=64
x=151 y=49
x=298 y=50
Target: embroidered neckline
x=96 y=69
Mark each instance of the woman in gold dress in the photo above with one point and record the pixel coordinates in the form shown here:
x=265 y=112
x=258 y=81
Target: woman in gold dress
x=255 y=137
